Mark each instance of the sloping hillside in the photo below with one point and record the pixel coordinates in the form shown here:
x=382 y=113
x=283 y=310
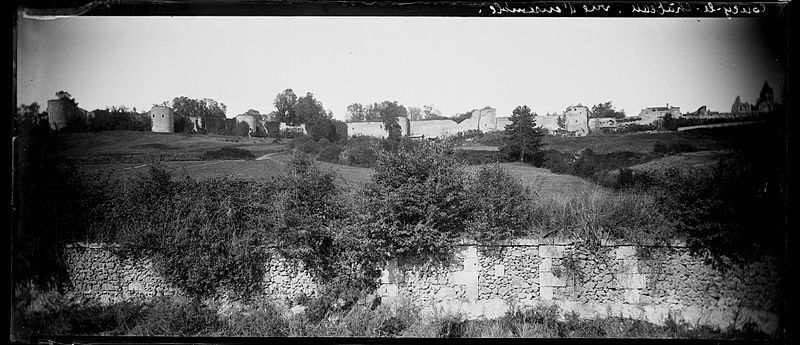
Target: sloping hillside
x=135 y=146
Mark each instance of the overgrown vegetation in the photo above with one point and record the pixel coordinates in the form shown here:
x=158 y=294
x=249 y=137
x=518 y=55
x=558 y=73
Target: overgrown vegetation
x=203 y=234
x=47 y=314
x=713 y=208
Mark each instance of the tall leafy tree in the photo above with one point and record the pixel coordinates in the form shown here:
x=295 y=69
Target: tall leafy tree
x=65 y=95
x=430 y=112
x=606 y=110
x=391 y=110
x=205 y=108
x=308 y=108
x=286 y=102
x=522 y=140
x=414 y=113
x=356 y=113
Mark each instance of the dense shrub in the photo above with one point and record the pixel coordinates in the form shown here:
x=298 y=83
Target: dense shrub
x=228 y=153
x=502 y=204
x=204 y=234
x=330 y=153
x=301 y=214
x=361 y=151
x=635 y=127
x=558 y=162
x=416 y=203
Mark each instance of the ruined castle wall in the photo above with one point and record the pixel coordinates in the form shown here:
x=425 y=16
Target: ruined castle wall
x=651 y=283
x=369 y=129
x=436 y=128
x=547 y=122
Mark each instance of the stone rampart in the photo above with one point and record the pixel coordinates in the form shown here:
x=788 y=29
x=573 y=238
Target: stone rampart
x=651 y=283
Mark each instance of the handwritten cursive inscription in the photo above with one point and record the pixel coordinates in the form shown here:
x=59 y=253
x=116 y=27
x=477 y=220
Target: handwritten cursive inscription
x=500 y=9
x=736 y=9
x=661 y=9
x=652 y=8
x=592 y=8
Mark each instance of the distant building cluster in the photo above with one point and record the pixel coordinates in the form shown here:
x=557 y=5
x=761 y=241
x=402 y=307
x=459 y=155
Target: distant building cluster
x=574 y=121
x=484 y=120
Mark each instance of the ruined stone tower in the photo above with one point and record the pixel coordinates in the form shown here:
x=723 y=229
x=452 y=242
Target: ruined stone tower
x=163 y=119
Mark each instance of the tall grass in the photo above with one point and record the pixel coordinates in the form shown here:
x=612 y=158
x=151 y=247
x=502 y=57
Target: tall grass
x=594 y=214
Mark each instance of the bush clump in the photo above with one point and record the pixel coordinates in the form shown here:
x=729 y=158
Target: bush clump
x=228 y=153
x=204 y=234
x=501 y=209
x=417 y=204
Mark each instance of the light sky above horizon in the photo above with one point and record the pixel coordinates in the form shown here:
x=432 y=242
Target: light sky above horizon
x=456 y=64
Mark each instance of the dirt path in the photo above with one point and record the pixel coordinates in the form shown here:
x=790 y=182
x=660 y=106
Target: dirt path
x=267 y=157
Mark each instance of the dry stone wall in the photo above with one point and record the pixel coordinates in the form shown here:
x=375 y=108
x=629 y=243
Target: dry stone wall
x=484 y=281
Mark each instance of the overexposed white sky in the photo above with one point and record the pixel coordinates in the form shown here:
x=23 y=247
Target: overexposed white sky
x=457 y=64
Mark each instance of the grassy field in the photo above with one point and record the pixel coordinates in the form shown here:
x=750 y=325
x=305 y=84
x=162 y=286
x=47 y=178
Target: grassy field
x=137 y=147
x=128 y=152
x=242 y=169
x=537 y=178
x=542 y=180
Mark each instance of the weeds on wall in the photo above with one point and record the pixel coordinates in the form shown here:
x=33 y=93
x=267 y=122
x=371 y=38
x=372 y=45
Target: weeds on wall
x=571 y=269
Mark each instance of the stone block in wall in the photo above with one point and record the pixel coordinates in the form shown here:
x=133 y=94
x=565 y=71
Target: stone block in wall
x=632 y=295
x=546 y=293
x=499 y=270
x=631 y=281
x=549 y=279
x=549 y=251
x=470 y=259
x=625 y=252
x=445 y=293
x=470 y=282
x=546 y=265
x=629 y=265
x=391 y=274
x=388 y=290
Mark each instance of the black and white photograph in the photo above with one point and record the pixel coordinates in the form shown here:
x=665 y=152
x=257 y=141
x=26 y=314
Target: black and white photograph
x=355 y=171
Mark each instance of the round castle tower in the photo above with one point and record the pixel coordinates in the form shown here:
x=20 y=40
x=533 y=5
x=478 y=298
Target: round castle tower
x=57 y=113
x=163 y=119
